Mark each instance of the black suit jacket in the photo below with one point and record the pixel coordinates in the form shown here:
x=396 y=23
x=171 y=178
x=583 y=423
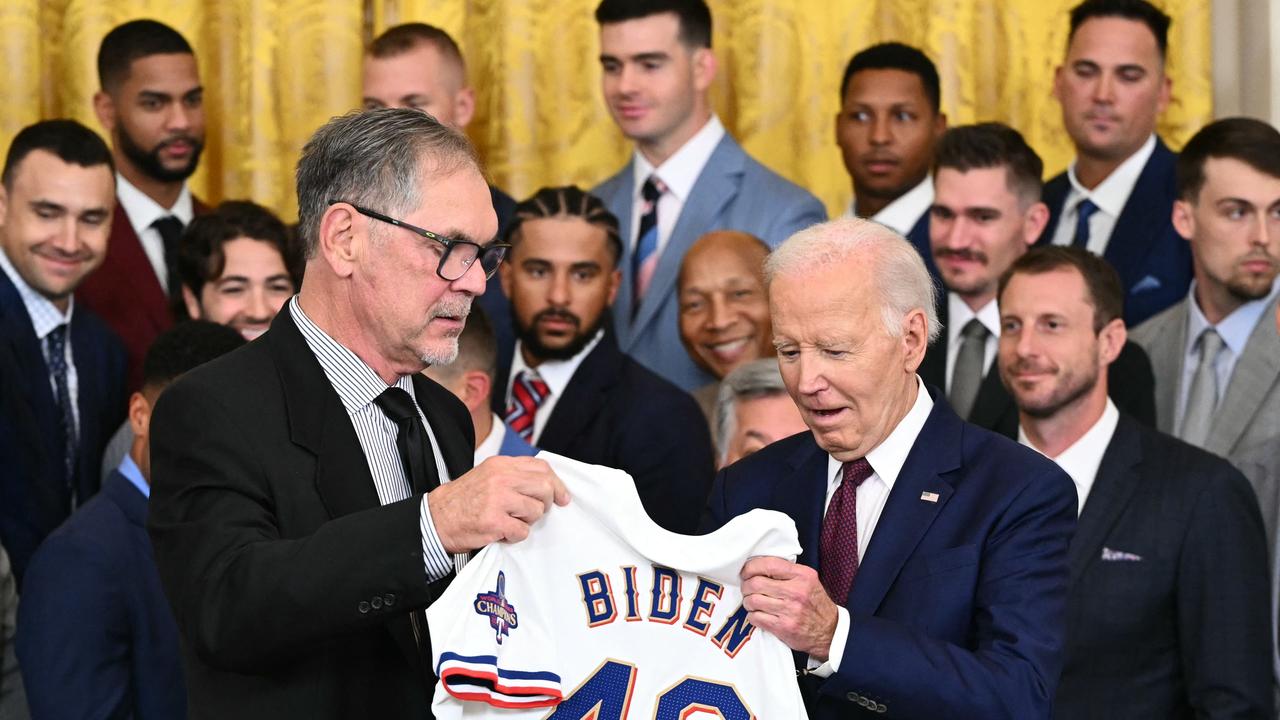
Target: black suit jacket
x=34 y=500
x=616 y=412
x=1130 y=383
x=494 y=302
x=290 y=583
x=1184 y=631
x=1153 y=261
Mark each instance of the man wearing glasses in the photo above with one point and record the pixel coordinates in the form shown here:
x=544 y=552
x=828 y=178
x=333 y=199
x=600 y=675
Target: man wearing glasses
x=314 y=492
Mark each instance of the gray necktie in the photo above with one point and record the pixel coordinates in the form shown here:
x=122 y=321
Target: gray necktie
x=1202 y=400
x=967 y=375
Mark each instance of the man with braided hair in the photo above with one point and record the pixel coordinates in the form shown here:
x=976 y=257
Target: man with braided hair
x=567 y=387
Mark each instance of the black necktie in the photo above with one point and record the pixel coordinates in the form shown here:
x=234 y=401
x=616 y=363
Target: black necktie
x=1084 y=211
x=411 y=440
x=170 y=229
x=56 y=342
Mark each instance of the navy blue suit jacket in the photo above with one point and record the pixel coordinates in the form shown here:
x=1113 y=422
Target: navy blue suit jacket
x=958 y=607
x=96 y=637
x=33 y=497
x=919 y=238
x=1153 y=260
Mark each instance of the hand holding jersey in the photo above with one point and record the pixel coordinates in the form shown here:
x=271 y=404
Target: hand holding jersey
x=496 y=501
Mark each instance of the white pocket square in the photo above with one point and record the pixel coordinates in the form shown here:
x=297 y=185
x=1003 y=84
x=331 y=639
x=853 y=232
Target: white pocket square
x=1150 y=282
x=1109 y=555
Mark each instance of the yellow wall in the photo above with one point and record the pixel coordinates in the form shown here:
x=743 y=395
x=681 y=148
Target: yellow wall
x=274 y=70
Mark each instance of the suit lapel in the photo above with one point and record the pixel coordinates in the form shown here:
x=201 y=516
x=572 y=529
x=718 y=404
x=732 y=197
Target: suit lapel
x=20 y=336
x=906 y=518
x=132 y=262
x=1145 y=211
x=1055 y=196
x=619 y=194
x=993 y=403
x=458 y=454
x=804 y=497
x=1112 y=490
x=933 y=369
x=1257 y=370
x=90 y=399
x=1168 y=354
x=583 y=397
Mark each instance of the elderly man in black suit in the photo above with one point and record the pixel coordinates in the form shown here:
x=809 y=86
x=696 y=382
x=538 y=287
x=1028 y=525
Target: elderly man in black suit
x=313 y=491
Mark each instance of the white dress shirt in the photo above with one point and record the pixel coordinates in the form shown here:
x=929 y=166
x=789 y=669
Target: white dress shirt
x=45 y=316
x=905 y=211
x=555 y=373
x=1082 y=460
x=679 y=173
x=1110 y=196
x=886 y=460
x=492 y=443
x=1234 y=330
x=142 y=211
x=959 y=315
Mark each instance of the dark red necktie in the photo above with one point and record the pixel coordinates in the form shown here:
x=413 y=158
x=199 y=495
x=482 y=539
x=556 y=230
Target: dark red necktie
x=527 y=393
x=838 y=550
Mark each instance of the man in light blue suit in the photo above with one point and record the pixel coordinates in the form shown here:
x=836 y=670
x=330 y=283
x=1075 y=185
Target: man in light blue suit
x=686 y=177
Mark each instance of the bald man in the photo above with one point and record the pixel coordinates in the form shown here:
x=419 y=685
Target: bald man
x=724 y=314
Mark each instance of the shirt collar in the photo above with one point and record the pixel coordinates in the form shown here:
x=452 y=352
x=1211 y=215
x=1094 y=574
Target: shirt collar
x=1112 y=193
x=959 y=315
x=555 y=373
x=1235 y=328
x=492 y=444
x=1082 y=460
x=142 y=211
x=887 y=458
x=129 y=469
x=680 y=171
x=45 y=316
x=906 y=210
x=356 y=383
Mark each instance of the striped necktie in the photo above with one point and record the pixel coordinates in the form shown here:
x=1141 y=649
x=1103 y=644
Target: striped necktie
x=645 y=258
x=527 y=393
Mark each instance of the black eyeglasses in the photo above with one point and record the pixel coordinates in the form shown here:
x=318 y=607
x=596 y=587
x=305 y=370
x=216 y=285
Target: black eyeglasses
x=459 y=255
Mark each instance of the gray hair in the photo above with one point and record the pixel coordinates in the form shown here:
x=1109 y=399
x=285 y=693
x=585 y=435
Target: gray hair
x=893 y=264
x=755 y=379
x=374 y=159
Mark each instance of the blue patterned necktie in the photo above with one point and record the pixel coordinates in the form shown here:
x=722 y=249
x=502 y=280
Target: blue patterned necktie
x=56 y=343
x=645 y=255
x=1084 y=210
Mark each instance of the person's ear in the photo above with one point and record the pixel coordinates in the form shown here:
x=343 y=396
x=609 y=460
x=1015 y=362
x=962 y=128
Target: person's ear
x=915 y=339
x=104 y=107
x=139 y=415
x=341 y=238
x=477 y=387
x=1111 y=340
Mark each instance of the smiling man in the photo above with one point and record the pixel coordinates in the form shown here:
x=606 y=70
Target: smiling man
x=1115 y=198
x=63 y=369
x=152 y=103
x=686 y=177
x=567 y=387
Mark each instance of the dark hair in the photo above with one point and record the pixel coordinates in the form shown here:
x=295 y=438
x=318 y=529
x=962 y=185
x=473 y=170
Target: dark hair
x=896 y=56
x=70 y=141
x=185 y=347
x=1250 y=141
x=401 y=39
x=135 y=40
x=694 y=16
x=477 y=347
x=570 y=201
x=992 y=145
x=200 y=255
x=1139 y=10
x=1101 y=282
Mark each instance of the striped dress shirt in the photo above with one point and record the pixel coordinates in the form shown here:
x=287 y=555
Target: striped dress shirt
x=357 y=386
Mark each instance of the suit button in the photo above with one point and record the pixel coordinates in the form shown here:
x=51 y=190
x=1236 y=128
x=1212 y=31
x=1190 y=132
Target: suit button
x=363 y=607
x=880 y=708
x=853 y=697
x=376 y=602
x=866 y=703
x=389 y=599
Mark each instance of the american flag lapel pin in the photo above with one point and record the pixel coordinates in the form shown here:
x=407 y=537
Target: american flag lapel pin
x=929 y=497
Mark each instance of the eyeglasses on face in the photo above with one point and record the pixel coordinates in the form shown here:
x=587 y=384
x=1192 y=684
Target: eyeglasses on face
x=459 y=255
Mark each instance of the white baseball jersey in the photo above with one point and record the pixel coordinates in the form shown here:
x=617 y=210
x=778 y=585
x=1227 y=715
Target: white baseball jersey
x=602 y=614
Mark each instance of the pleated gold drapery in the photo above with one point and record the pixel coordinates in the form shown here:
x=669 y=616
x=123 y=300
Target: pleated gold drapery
x=274 y=70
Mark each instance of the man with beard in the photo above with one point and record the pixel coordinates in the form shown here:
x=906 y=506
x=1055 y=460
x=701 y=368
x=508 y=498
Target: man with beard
x=1216 y=354
x=151 y=102
x=567 y=387
x=1168 y=611
x=986 y=213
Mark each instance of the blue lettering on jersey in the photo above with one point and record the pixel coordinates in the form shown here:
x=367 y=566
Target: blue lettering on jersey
x=597 y=597
x=502 y=614
x=704 y=601
x=735 y=632
x=665 y=605
x=633 y=605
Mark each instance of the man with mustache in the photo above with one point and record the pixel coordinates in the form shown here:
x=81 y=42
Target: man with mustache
x=1168 y=609
x=890 y=118
x=1115 y=198
x=567 y=387
x=151 y=103
x=62 y=371
x=986 y=213
x=1216 y=354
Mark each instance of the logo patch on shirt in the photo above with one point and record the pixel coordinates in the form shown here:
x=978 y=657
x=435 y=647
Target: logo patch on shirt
x=494 y=605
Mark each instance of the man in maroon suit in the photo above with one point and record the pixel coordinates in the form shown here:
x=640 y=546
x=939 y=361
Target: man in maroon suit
x=150 y=102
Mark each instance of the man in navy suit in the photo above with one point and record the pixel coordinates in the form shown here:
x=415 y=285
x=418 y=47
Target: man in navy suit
x=567 y=388
x=686 y=177
x=934 y=572
x=889 y=121
x=119 y=658
x=1169 y=613
x=62 y=371
x=1116 y=199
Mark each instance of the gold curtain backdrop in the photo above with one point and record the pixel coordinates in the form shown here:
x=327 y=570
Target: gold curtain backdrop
x=275 y=70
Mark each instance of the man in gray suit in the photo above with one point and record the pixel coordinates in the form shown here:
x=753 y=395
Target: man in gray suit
x=1216 y=355
x=686 y=177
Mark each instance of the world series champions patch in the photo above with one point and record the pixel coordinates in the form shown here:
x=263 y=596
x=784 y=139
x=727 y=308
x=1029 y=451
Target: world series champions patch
x=494 y=605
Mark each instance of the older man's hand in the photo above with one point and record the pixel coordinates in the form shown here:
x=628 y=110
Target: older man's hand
x=497 y=500
x=789 y=601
